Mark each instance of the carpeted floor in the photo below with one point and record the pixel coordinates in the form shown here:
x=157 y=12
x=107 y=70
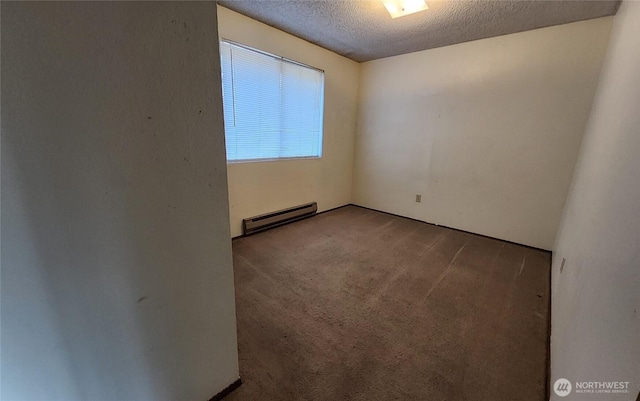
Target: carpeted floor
x=355 y=304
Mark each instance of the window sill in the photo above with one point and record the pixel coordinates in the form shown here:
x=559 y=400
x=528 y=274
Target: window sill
x=273 y=160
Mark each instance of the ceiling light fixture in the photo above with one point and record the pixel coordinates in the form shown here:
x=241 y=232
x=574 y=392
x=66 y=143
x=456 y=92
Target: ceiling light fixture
x=400 y=8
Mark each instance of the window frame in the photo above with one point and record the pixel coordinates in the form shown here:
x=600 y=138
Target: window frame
x=286 y=60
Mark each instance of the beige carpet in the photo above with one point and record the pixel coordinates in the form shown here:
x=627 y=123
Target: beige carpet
x=354 y=304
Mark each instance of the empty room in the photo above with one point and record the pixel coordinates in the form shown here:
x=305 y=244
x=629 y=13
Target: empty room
x=320 y=200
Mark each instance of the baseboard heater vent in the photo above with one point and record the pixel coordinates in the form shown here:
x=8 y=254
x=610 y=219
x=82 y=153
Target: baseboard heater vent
x=274 y=219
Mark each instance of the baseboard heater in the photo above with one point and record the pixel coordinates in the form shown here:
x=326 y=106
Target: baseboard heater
x=278 y=218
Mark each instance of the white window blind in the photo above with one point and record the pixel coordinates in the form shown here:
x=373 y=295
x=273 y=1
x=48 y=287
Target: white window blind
x=273 y=107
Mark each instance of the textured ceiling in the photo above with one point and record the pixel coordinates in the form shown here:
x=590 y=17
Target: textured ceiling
x=363 y=30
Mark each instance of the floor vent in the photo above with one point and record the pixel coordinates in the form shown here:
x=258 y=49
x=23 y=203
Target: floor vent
x=274 y=219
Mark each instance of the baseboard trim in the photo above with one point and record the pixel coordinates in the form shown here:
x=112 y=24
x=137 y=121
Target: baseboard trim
x=424 y=222
x=334 y=208
x=227 y=390
x=549 y=312
x=453 y=228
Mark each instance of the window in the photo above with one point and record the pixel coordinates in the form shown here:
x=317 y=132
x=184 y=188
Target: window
x=273 y=106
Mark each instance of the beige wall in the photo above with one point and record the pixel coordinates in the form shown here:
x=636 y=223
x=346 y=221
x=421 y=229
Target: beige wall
x=117 y=281
x=595 y=331
x=487 y=132
x=261 y=187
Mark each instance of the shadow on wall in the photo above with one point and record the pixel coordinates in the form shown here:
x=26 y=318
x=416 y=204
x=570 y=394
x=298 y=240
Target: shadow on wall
x=66 y=294
x=73 y=225
x=116 y=256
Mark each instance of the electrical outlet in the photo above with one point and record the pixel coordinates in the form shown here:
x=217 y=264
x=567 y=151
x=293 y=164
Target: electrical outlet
x=562 y=265
x=418 y=198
